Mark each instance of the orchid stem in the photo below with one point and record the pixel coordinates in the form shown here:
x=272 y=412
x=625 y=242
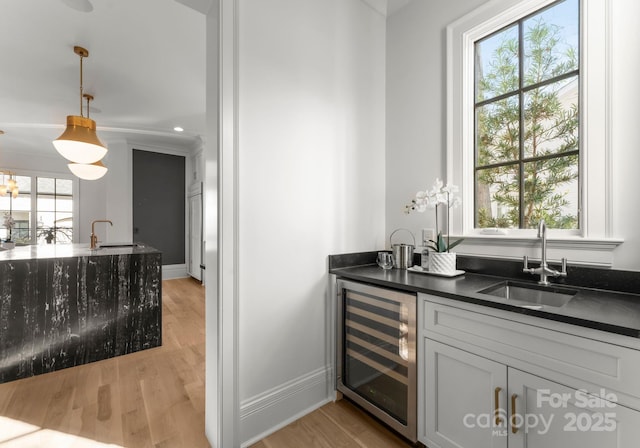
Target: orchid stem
x=437 y=232
x=448 y=232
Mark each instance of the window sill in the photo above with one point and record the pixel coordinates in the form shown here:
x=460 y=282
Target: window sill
x=577 y=250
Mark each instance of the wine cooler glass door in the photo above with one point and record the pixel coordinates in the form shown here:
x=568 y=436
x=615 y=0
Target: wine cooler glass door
x=378 y=352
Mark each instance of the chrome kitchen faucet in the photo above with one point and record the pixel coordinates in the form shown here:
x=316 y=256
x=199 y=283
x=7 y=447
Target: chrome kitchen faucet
x=544 y=270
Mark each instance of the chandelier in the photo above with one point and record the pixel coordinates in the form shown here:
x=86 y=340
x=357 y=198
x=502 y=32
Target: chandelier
x=9 y=184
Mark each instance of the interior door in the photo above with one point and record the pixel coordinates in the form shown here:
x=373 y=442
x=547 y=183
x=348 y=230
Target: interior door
x=159 y=198
x=195 y=236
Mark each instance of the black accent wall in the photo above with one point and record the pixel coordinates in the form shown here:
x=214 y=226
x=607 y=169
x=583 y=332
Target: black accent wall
x=159 y=203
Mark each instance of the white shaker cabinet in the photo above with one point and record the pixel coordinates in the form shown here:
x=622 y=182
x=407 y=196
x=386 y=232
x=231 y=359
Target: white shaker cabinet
x=458 y=393
x=477 y=387
x=558 y=416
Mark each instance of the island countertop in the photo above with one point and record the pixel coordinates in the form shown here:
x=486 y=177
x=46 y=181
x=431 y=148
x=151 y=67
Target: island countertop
x=50 y=251
x=67 y=305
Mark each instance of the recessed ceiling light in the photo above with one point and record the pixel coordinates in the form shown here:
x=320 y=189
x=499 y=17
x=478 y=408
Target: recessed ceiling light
x=178 y=129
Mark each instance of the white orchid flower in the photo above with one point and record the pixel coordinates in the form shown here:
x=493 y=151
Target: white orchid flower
x=435 y=190
x=422 y=200
x=438 y=194
x=451 y=189
x=421 y=206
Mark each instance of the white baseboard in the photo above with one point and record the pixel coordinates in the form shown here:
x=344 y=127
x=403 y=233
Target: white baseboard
x=269 y=411
x=170 y=271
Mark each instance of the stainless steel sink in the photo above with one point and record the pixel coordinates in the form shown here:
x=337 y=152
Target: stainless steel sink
x=105 y=245
x=535 y=296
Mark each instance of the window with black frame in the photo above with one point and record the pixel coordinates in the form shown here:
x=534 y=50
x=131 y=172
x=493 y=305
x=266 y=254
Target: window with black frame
x=527 y=121
x=54 y=210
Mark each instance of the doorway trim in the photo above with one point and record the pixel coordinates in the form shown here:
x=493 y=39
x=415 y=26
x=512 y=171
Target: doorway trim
x=222 y=415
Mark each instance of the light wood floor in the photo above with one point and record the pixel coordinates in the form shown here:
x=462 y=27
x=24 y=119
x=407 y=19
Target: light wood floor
x=155 y=398
x=339 y=424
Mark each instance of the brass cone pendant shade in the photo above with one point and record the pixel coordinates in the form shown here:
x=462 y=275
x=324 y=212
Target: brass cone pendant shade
x=88 y=171
x=79 y=143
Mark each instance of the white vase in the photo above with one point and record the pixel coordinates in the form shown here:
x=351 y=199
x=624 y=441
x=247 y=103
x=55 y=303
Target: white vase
x=442 y=262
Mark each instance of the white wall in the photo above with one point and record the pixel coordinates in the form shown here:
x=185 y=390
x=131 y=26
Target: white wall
x=93 y=199
x=119 y=197
x=416 y=121
x=310 y=182
x=416 y=107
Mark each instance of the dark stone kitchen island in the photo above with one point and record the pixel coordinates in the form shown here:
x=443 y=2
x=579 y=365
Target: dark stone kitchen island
x=66 y=305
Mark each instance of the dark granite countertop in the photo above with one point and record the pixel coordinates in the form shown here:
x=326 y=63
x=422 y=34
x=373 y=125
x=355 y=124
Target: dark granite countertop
x=604 y=310
x=48 y=251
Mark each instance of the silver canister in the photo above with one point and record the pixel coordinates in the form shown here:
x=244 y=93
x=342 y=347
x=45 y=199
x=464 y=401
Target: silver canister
x=402 y=253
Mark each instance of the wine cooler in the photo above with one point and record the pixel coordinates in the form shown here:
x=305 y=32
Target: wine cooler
x=376 y=365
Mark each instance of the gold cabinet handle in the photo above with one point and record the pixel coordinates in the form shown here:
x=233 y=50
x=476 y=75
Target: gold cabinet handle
x=514 y=428
x=496 y=411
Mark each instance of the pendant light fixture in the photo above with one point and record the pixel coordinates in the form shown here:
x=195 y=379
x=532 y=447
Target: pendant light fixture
x=88 y=171
x=9 y=184
x=79 y=142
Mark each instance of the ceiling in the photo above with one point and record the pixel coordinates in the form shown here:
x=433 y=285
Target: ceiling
x=394 y=6
x=385 y=7
x=146 y=70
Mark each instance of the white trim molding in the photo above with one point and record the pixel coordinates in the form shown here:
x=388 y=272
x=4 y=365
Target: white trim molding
x=594 y=242
x=171 y=271
x=222 y=403
x=271 y=410
x=577 y=251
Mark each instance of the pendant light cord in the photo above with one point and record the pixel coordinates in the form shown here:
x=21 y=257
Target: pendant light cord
x=81 y=91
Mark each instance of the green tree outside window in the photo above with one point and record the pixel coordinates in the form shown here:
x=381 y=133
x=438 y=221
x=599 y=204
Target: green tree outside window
x=527 y=122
